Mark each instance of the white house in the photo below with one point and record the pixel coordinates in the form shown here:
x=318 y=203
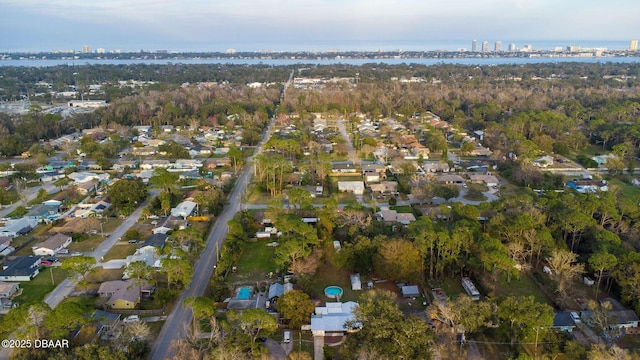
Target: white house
x=489 y=180
x=81 y=177
x=330 y=319
x=148 y=254
x=543 y=161
x=22 y=268
x=17 y=227
x=52 y=245
x=184 y=209
x=7 y=290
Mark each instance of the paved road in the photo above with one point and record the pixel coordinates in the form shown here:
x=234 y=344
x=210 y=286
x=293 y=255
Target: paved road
x=32 y=193
x=176 y=323
x=65 y=288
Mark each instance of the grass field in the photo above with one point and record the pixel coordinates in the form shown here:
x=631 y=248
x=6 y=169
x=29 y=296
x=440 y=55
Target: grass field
x=254 y=263
x=34 y=291
x=87 y=245
x=120 y=251
x=524 y=286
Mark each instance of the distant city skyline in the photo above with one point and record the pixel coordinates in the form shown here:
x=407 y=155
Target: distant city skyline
x=200 y=25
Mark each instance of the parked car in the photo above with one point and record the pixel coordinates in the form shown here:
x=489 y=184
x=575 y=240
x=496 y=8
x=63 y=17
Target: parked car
x=131 y=318
x=133 y=241
x=575 y=316
x=287 y=336
x=46 y=262
x=63 y=251
x=77 y=253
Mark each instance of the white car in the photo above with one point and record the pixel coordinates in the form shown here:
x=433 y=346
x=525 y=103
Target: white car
x=575 y=317
x=131 y=318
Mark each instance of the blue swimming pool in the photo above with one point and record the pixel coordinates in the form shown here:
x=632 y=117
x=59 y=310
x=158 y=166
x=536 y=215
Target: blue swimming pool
x=244 y=293
x=333 y=292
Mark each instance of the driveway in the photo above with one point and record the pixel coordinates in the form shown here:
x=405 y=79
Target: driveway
x=275 y=350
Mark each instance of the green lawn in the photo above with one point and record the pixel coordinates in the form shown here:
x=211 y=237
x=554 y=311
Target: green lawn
x=328 y=275
x=524 y=286
x=628 y=191
x=402 y=209
x=120 y=251
x=34 y=291
x=101 y=275
x=87 y=245
x=109 y=225
x=254 y=263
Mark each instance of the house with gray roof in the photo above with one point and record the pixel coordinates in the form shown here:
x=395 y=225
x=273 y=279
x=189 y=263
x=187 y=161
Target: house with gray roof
x=331 y=319
x=22 y=268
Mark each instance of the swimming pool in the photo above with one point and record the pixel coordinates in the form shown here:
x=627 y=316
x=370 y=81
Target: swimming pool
x=333 y=292
x=244 y=293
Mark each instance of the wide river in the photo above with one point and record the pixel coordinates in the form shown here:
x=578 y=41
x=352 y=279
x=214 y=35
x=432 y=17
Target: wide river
x=328 y=61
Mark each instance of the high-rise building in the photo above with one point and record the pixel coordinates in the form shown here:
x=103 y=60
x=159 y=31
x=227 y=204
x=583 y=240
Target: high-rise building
x=485 y=46
x=86 y=49
x=498 y=46
x=474 y=45
x=512 y=47
x=633 y=45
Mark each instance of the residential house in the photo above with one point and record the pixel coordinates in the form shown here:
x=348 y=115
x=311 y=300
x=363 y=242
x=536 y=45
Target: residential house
x=481 y=151
x=184 y=209
x=343 y=167
x=562 y=321
x=331 y=319
x=378 y=168
x=221 y=151
x=356 y=187
x=148 y=254
x=144 y=151
x=5 y=246
x=543 y=161
x=385 y=187
x=143 y=129
x=88 y=210
x=275 y=291
x=371 y=176
x=169 y=224
x=187 y=164
x=43 y=212
x=52 y=245
x=18 y=227
x=86 y=188
x=124 y=294
x=153 y=143
x=156 y=240
x=154 y=164
x=200 y=151
x=123 y=164
x=22 y=268
x=392 y=216
x=450 y=179
x=7 y=290
x=488 y=180
x=602 y=159
x=435 y=166
x=588 y=185
x=81 y=177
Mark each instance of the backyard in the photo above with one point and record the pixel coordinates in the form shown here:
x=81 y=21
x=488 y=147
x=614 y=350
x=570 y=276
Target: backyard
x=34 y=291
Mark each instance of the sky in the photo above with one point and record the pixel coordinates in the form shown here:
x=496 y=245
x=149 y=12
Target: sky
x=253 y=25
